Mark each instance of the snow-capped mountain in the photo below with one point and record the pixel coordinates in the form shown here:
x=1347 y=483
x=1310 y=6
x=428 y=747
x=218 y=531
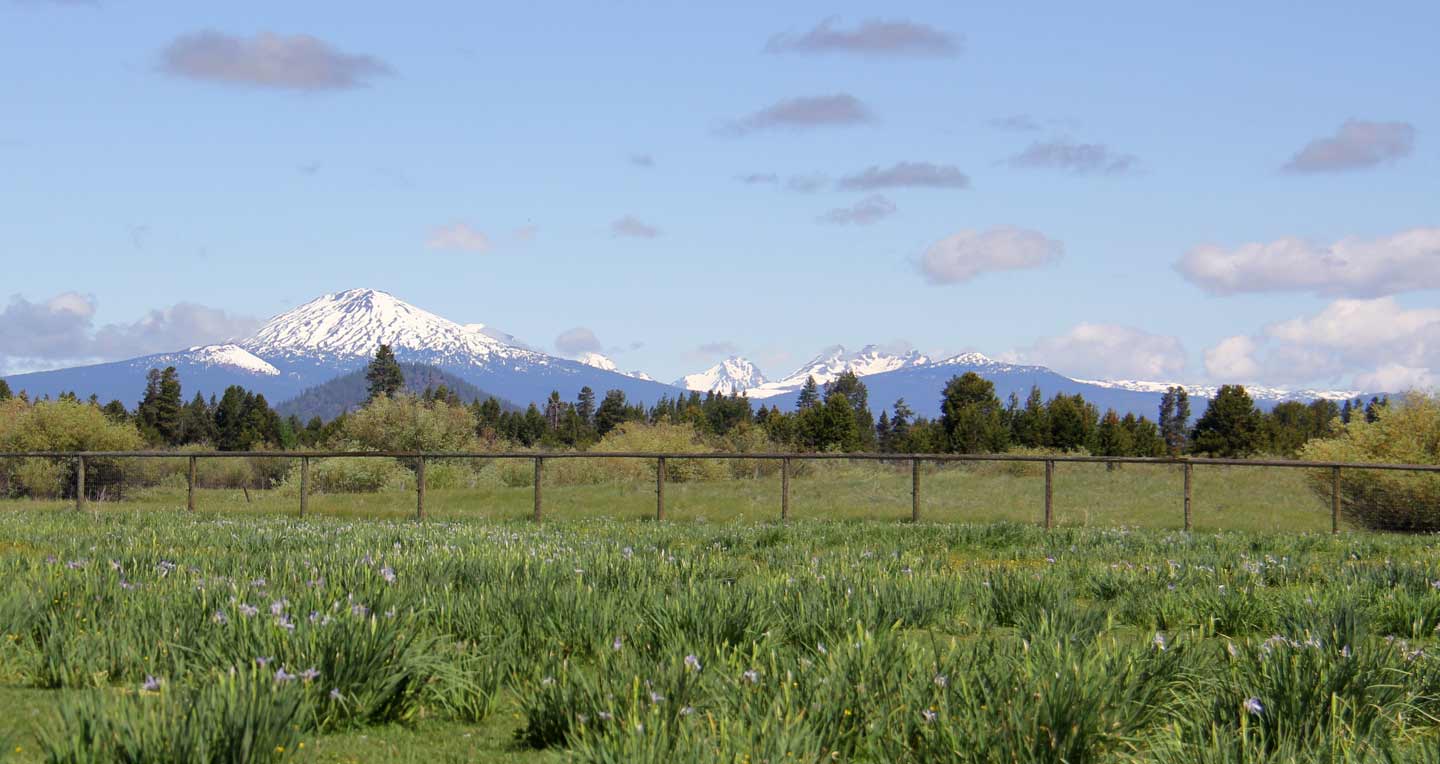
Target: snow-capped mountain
x=605 y=363
x=338 y=333
x=1259 y=393
x=730 y=376
x=834 y=361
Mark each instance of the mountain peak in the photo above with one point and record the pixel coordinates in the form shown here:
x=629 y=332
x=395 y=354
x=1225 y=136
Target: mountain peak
x=355 y=322
x=732 y=375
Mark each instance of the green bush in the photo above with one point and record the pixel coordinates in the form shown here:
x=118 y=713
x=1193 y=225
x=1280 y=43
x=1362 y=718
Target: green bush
x=1408 y=432
x=355 y=474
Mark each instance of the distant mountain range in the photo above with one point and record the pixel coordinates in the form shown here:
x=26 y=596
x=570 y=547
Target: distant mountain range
x=337 y=334
x=330 y=337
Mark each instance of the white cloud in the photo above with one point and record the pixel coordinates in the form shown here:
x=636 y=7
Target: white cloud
x=964 y=255
x=1352 y=267
x=1233 y=359
x=1106 y=351
x=875 y=37
x=1376 y=345
x=458 y=237
x=61 y=330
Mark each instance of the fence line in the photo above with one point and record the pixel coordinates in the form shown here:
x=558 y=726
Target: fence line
x=915 y=460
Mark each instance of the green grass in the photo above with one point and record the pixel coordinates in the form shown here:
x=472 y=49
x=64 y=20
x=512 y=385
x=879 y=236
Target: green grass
x=611 y=640
x=1141 y=496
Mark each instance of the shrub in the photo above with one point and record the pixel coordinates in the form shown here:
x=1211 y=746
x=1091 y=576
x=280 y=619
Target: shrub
x=355 y=474
x=406 y=423
x=1407 y=431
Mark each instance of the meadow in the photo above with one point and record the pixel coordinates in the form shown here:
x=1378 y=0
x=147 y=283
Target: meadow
x=161 y=635
x=1135 y=495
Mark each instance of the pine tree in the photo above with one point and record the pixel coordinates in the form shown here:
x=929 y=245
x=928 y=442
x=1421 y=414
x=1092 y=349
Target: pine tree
x=585 y=406
x=972 y=417
x=5 y=393
x=1175 y=418
x=384 y=374
x=197 y=422
x=611 y=413
x=848 y=384
x=1231 y=426
x=809 y=395
x=1112 y=438
x=159 y=411
x=882 y=431
x=900 y=427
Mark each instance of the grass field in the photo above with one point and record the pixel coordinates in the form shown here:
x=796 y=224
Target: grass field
x=159 y=635
x=1142 y=496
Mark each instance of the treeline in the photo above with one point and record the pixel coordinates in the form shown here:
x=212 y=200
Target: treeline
x=833 y=417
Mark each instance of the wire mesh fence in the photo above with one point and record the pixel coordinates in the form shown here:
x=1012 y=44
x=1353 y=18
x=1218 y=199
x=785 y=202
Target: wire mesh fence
x=1056 y=490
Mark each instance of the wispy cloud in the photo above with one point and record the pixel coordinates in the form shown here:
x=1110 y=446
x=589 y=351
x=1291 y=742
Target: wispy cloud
x=870 y=38
x=296 y=62
x=578 y=340
x=458 y=237
x=1075 y=158
x=1016 y=123
x=867 y=211
x=718 y=347
x=642 y=160
x=632 y=227
x=1357 y=145
x=906 y=175
x=804 y=112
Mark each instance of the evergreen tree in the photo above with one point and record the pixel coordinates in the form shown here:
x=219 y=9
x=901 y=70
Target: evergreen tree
x=1345 y=413
x=829 y=426
x=1112 y=437
x=1372 y=409
x=158 y=414
x=1072 y=422
x=116 y=412
x=197 y=422
x=848 y=384
x=384 y=374
x=900 y=427
x=972 y=417
x=882 y=431
x=230 y=432
x=612 y=411
x=1323 y=413
x=1031 y=425
x=1230 y=427
x=585 y=406
x=1175 y=418
x=809 y=395
x=5 y=393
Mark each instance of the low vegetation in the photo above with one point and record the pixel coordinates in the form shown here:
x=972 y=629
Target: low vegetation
x=172 y=637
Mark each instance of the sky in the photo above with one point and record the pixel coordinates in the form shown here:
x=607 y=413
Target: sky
x=1218 y=192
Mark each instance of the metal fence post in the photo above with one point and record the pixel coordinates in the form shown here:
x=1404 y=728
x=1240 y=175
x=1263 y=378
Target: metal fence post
x=1049 y=493
x=785 y=489
x=79 y=482
x=1334 y=500
x=1188 y=469
x=659 y=489
x=420 y=490
x=539 y=471
x=190 y=486
x=304 y=484
x=914 y=490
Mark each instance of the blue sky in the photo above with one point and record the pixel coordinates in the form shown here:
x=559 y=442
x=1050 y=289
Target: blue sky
x=1063 y=162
